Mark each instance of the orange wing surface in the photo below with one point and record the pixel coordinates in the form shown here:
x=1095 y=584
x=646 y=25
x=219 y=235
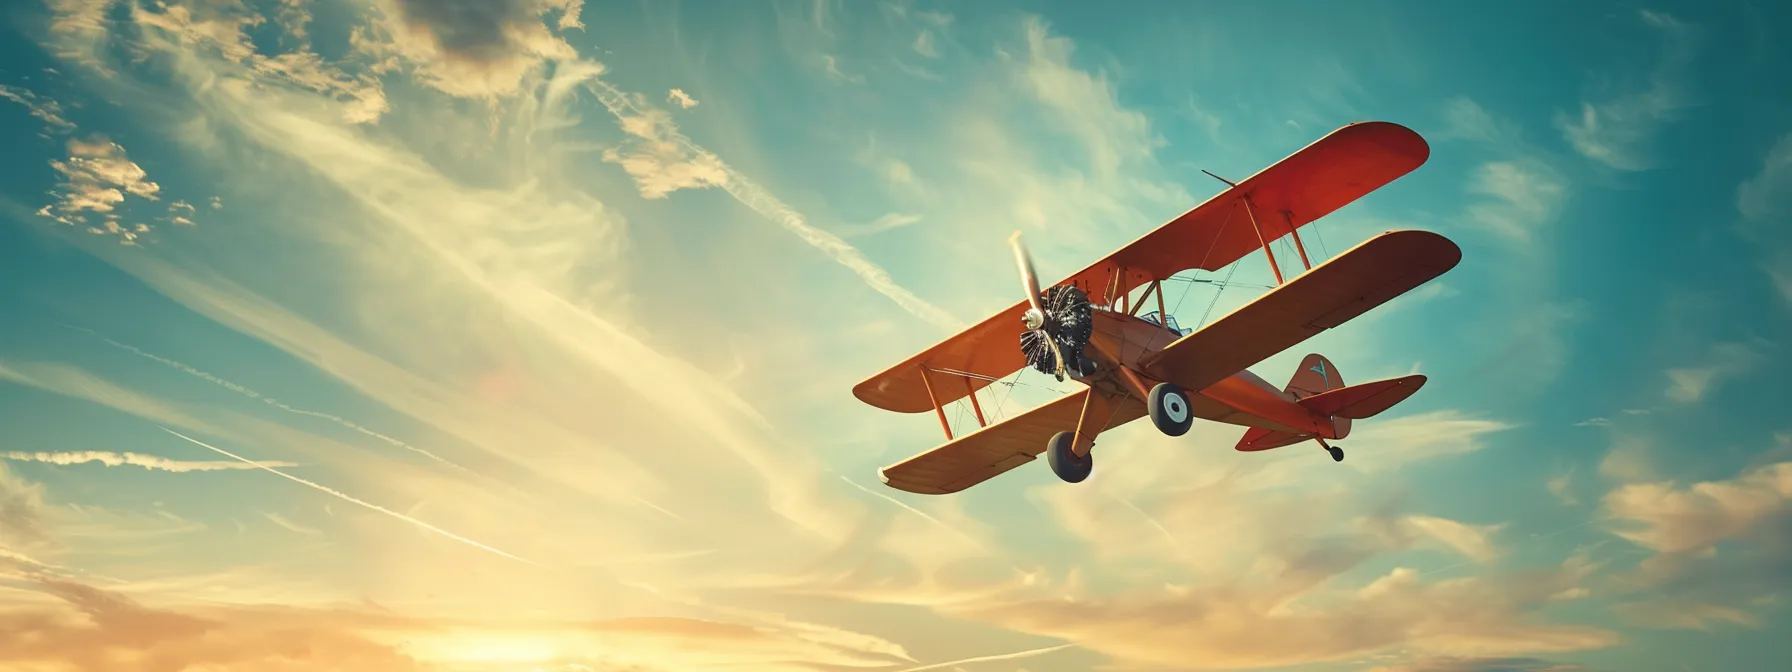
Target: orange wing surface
x=981 y=455
x=1366 y=276
x=1311 y=183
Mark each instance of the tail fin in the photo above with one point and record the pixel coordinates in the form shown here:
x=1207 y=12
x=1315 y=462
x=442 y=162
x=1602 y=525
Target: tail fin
x=1315 y=376
x=1317 y=386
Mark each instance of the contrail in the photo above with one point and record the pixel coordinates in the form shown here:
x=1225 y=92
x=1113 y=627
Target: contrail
x=110 y=459
x=990 y=659
x=750 y=194
x=660 y=509
x=913 y=510
x=349 y=499
x=252 y=394
x=1154 y=523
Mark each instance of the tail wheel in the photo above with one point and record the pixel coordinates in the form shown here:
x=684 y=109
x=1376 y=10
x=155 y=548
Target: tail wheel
x=1169 y=409
x=1064 y=461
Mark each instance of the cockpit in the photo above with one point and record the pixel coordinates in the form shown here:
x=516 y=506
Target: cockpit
x=1156 y=319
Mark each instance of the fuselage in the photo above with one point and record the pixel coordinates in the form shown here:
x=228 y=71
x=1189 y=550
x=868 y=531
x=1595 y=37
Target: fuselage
x=1244 y=398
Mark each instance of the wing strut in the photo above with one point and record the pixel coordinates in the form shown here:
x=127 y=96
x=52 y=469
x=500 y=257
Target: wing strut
x=971 y=392
x=1302 y=249
x=934 y=399
x=1251 y=210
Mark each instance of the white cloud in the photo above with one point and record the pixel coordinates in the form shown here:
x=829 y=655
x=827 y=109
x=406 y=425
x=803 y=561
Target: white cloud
x=45 y=109
x=831 y=65
x=664 y=160
x=150 y=462
x=1769 y=192
x=358 y=99
x=1523 y=195
x=1690 y=384
x=1618 y=130
x=475 y=48
x=680 y=98
x=1086 y=104
x=924 y=44
x=1466 y=119
x=95 y=179
x=1666 y=518
x=1562 y=487
x=181 y=212
x=1764 y=201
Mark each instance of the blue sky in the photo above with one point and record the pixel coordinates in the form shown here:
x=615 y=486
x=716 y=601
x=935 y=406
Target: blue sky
x=496 y=335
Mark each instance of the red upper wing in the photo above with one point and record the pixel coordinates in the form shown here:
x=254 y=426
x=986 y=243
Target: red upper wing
x=1311 y=183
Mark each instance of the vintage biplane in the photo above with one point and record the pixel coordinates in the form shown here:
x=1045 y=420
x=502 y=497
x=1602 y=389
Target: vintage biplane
x=1088 y=328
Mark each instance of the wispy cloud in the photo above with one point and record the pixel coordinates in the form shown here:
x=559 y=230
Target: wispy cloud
x=1520 y=197
x=149 y=462
x=44 y=108
x=664 y=160
x=680 y=98
x=347 y=498
x=1618 y=130
x=1764 y=200
x=282 y=521
x=1690 y=384
x=252 y=394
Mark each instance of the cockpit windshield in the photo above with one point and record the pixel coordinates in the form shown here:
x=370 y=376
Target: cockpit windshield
x=1154 y=318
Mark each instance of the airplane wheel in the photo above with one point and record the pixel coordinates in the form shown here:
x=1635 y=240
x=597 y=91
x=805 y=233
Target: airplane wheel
x=1064 y=461
x=1169 y=409
x=1337 y=453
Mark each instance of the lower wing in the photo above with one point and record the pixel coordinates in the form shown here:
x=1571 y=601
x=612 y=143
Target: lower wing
x=1331 y=294
x=987 y=452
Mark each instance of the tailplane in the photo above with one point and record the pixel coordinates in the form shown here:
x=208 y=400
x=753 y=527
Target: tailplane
x=1317 y=386
x=1363 y=401
x=1314 y=376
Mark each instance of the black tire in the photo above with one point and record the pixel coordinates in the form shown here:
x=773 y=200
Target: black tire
x=1064 y=461
x=1337 y=453
x=1169 y=409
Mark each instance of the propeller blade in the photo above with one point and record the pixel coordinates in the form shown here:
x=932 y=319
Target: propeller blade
x=1029 y=280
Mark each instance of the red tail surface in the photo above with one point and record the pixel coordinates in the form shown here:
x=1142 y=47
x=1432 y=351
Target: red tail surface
x=1317 y=386
x=1365 y=400
x=1314 y=376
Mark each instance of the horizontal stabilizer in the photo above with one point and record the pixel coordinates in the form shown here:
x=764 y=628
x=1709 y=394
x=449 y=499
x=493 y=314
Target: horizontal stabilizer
x=1259 y=438
x=1364 y=400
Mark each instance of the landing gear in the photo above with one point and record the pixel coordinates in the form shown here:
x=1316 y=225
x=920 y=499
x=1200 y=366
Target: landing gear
x=1337 y=452
x=1064 y=460
x=1169 y=409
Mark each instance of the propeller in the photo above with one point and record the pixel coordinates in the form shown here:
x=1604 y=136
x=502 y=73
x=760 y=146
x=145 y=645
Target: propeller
x=1035 y=317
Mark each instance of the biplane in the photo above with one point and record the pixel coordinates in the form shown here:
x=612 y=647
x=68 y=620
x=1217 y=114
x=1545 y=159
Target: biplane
x=1131 y=366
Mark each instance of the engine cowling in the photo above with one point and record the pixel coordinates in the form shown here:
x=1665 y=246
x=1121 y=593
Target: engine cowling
x=1069 y=322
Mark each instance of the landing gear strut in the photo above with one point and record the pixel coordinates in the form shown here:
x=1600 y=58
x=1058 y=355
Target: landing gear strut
x=1337 y=452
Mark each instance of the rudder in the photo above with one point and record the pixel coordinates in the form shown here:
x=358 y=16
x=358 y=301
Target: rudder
x=1316 y=375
